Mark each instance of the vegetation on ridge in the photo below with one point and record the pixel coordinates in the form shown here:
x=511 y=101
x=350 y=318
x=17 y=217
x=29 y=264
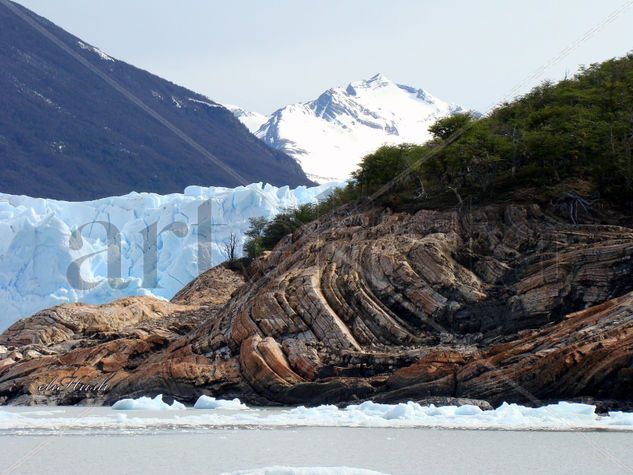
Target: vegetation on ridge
x=577 y=129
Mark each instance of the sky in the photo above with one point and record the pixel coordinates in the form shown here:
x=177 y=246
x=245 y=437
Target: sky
x=263 y=55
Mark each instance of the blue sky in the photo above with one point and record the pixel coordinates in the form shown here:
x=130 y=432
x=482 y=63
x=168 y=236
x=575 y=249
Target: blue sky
x=265 y=54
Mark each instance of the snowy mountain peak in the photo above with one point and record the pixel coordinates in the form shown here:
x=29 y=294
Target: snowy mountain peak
x=375 y=82
x=330 y=134
x=252 y=120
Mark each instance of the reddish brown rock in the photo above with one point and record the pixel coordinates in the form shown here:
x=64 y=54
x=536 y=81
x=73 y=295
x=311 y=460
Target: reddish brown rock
x=494 y=303
x=116 y=347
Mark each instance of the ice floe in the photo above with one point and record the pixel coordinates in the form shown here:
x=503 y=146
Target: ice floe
x=556 y=417
x=208 y=402
x=147 y=404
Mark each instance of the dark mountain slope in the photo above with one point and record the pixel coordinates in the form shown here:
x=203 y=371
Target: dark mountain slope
x=66 y=133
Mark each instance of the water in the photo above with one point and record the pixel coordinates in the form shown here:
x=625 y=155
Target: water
x=84 y=440
x=395 y=451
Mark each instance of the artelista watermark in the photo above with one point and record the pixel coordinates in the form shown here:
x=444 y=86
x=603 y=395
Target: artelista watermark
x=74 y=384
x=150 y=236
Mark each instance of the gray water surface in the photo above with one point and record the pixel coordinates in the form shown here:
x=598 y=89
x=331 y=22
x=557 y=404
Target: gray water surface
x=395 y=451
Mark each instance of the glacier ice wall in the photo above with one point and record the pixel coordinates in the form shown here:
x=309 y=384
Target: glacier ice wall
x=35 y=238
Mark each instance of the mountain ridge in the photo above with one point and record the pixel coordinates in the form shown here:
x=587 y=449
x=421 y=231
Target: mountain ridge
x=330 y=134
x=61 y=120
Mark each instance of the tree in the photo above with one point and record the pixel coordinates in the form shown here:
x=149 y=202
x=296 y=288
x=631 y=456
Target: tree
x=382 y=166
x=447 y=127
x=230 y=247
x=257 y=227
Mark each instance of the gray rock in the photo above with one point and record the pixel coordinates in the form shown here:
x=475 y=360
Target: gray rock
x=456 y=401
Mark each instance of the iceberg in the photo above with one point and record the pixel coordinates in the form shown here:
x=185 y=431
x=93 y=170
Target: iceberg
x=55 y=252
x=562 y=416
x=146 y=404
x=208 y=402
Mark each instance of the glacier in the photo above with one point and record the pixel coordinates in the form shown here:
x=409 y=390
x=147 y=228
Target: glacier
x=36 y=249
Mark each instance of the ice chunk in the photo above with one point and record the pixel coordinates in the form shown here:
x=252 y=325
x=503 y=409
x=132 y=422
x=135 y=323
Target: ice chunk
x=145 y=403
x=561 y=416
x=208 y=402
x=468 y=410
x=621 y=418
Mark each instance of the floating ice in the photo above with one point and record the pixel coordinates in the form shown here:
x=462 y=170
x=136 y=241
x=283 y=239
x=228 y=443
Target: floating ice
x=147 y=404
x=621 y=418
x=556 y=417
x=208 y=402
x=8 y=416
x=35 y=235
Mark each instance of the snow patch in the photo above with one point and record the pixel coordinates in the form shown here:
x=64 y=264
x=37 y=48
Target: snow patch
x=97 y=51
x=176 y=102
x=206 y=103
x=43 y=97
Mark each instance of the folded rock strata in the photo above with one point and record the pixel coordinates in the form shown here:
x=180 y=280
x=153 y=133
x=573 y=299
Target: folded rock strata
x=502 y=302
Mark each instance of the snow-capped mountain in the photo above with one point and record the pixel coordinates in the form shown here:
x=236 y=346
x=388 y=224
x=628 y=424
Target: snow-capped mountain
x=252 y=120
x=329 y=135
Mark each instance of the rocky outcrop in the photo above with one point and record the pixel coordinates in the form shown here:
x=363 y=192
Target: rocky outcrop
x=80 y=353
x=56 y=330
x=496 y=303
x=213 y=288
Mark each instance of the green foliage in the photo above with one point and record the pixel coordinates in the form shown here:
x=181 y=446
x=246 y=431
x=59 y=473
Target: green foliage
x=580 y=128
x=254 y=244
x=264 y=234
x=286 y=222
x=445 y=128
x=382 y=165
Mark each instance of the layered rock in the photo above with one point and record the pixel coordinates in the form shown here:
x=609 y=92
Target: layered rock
x=495 y=303
x=102 y=345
